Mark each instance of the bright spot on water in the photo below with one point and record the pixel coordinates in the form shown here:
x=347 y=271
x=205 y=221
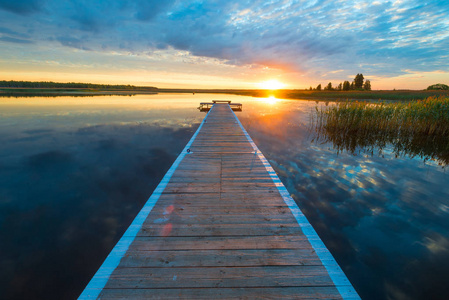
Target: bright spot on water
x=271 y=100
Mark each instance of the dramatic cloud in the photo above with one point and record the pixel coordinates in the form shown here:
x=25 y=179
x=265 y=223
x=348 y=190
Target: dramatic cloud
x=21 y=7
x=382 y=38
x=14 y=40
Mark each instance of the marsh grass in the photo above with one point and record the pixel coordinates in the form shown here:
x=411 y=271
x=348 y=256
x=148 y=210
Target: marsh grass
x=418 y=128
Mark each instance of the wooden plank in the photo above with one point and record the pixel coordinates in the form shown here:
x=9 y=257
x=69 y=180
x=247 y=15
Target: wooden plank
x=195 y=229
x=325 y=292
x=230 y=210
x=255 y=220
x=220 y=200
x=219 y=243
x=221 y=258
x=205 y=277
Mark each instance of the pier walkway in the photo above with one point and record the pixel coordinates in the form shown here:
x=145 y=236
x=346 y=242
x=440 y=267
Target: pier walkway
x=220 y=225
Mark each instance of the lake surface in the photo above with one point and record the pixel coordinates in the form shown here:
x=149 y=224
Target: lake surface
x=75 y=171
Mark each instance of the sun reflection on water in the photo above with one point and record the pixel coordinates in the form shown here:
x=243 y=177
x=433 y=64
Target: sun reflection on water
x=271 y=100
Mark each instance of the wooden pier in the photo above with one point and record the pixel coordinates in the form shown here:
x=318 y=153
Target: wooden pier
x=206 y=106
x=220 y=225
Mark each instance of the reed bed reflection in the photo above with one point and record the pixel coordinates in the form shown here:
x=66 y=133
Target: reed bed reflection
x=415 y=129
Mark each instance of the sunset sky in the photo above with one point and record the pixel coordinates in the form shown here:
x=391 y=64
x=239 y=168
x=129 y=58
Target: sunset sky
x=225 y=44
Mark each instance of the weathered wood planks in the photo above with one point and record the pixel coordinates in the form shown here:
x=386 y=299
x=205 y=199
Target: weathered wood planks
x=220 y=229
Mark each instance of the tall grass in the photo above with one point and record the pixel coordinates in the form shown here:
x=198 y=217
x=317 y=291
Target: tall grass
x=419 y=128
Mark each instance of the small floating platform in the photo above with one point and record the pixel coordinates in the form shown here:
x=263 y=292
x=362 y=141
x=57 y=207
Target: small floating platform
x=220 y=225
x=206 y=106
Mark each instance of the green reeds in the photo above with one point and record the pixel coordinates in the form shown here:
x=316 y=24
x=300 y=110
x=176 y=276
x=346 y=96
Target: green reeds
x=419 y=128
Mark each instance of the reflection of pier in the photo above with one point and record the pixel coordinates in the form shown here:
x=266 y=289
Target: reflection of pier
x=206 y=106
x=220 y=225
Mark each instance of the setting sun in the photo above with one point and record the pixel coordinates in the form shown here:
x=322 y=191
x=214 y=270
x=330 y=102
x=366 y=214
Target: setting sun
x=272 y=84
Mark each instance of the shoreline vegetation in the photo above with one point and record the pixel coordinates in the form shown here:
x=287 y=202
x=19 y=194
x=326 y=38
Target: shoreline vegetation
x=52 y=89
x=414 y=129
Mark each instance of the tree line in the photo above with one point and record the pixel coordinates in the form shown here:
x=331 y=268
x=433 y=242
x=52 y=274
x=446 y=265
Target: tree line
x=77 y=85
x=438 y=86
x=358 y=83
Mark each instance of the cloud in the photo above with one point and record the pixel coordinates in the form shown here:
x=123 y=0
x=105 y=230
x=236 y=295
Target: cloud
x=148 y=9
x=11 y=32
x=14 y=40
x=72 y=42
x=21 y=7
x=49 y=159
x=315 y=37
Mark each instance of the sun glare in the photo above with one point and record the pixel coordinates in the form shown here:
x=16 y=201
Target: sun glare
x=271 y=100
x=272 y=84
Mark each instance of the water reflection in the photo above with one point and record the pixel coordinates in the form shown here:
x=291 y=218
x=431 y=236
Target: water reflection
x=384 y=219
x=74 y=172
x=271 y=100
x=80 y=94
x=73 y=175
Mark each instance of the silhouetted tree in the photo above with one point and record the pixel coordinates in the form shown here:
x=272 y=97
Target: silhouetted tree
x=352 y=85
x=310 y=88
x=358 y=81
x=367 y=85
x=438 y=86
x=318 y=87
x=346 y=86
x=340 y=86
x=328 y=87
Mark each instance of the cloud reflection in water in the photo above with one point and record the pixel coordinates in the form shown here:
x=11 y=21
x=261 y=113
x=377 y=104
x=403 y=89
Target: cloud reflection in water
x=69 y=190
x=385 y=219
x=71 y=184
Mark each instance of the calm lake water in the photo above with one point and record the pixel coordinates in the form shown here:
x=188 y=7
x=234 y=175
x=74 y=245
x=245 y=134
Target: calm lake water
x=75 y=171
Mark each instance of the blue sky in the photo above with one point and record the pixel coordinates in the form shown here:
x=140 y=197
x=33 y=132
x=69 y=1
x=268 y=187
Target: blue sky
x=225 y=43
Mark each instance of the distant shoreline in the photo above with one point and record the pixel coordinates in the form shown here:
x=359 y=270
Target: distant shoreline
x=398 y=95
